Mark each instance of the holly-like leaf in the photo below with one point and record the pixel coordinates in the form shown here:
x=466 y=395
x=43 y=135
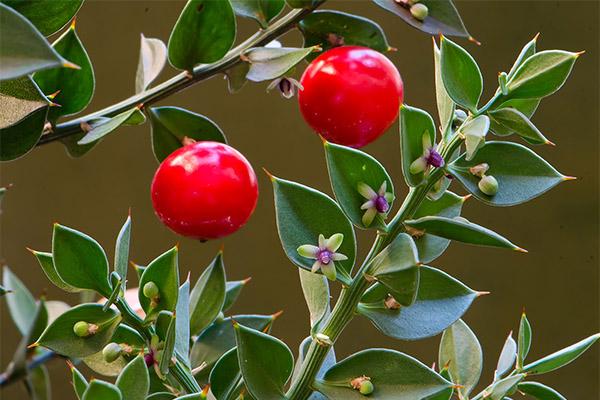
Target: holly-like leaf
x=262 y=11
x=204 y=32
x=515 y=121
x=225 y=377
x=164 y=273
x=104 y=128
x=75 y=87
x=394 y=375
x=523 y=341
x=232 y=291
x=561 y=357
x=153 y=57
x=21 y=303
x=527 y=107
x=507 y=358
x=134 y=382
x=539 y=391
x=445 y=105
x=316 y=293
x=182 y=340
x=122 y=251
x=48 y=16
x=460 y=74
x=171 y=125
x=441 y=300
x=208 y=296
x=414 y=123
x=521 y=174
x=100 y=390
x=47 y=264
x=268 y=63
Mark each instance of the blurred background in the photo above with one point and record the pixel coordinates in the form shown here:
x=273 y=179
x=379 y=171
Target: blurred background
x=556 y=282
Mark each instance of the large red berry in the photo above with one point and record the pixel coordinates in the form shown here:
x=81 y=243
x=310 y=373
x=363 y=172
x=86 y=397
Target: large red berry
x=351 y=95
x=205 y=190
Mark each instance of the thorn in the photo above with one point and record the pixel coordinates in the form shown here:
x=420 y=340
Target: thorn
x=69 y=64
x=129 y=213
x=271 y=177
x=142 y=36
x=189 y=75
x=447 y=364
x=580 y=53
x=536 y=37
x=569 y=178
x=51 y=104
x=466 y=197
x=277 y=314
x=521 y=250
x=392 y=49
x=441 y=35
x=188 y=276
x=222 y=248
x=550 y=143
x=53 y=95
x=177 y=246
x=524 y=307
x=31 y=346
x=140 y=106
x=54 y=222
x=472 y=39
x=433 y=366
x=246 y=280
x=235 y=324
x=455 y=386
x=207 y=388
x=8 y=186
x=31 y=251
x=479 y=294
x=71 y=366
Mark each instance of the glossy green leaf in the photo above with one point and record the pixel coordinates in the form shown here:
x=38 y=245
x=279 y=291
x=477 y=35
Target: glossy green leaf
x=414 y=123
x=328 y=29
x=99 y=365
x=80 y=384
x=103 y=129
x=48 y=16
x=442 y=17
x=527 y=51
x=347 y=167
x=169 y=348
x=22 y=116
x=76 y=150
x=316 y=293
x=504 y=387
x=38 y=383
x=161 y=396
x=445 y=105
x=182 y=340
x=268 y=63
x=507 y=358
x=134 y=382
x=302 y=215
x=122 y=251
x=515 y=121
x=219 y=338
x=79 y=260
x=561 y=357
x=21 y=303
x=266 y=362
x=460 y=347
x=100 y=390
x=460 y=74
x=521 y=174
x=153 y=57
x=75 y=87
x=208 y=296
x=60 y=338
x=299 y=3
x=446 y=394
x=204 y=32
x=441 y=300
x=527 y=107
x=129 y=336
x=262 y=11
x=17 y=60
x=460 y=231
x=449 y=205
x=236 y=76
x=523 y=341
x=232 y=292
x=47 y=264
x=171 y=125
x=539 y=391
x=225 y=377
x=394 y=376
x=164 y=272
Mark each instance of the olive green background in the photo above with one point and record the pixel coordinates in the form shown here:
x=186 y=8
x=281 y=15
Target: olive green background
x=557 y=281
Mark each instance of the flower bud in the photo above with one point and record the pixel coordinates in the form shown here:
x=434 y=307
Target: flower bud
x=111 y=352
x=419 y=11
x=84 y=329
x=150 y=290
x=488 y=185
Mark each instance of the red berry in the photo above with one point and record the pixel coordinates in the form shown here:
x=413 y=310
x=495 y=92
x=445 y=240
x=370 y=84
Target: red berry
x=351 y=95
x=205 y=190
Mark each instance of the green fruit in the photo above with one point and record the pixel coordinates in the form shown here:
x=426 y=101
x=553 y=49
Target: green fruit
x=111 y=352
x=488 y=185
x=419 y=11
x=366 y=388
x=82 y=329
x=150 y=290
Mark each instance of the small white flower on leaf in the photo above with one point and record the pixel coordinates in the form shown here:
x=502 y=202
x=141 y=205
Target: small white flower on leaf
x=377 y=202
x=324 y=254
x=429 y=158
x=286 y=86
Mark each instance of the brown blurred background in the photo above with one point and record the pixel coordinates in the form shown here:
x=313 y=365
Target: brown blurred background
x=557 y=282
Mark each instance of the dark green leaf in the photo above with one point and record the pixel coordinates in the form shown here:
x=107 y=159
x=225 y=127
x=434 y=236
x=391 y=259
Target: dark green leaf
x=60 y=338
x=504 y=387
x=122 y=251
x=236 y=76
x=169 y=348
x=507 y=358
x=442 y=17
x=225 y=377
x=460 y=74
x=316 y=293
x=17 y=58
x=268 y=63
x=161 y=396
x=394 y=376
x=38 y=383
x=99 y=390
x=262 y=11
x=134 y=382
x=527 y=107
x=182 y=340
x=460 y=347
x=99 y=365
x=561 y=357
x=164 y=273
x=299 y=3
x=524 y=340
x=539 y=391
x=203 y=33
x=171 y=125
x=47 y=264
x=21 y=303
x=70 y=142
x=208 y=296
x=521 y=174
x=414 y=123
x=75 y=87
x=49 y=16
x=347 y=167
x=446 y=394
x=445 y=105
x=99 y=131
x=153 y=56
x=232 y=291
x=79 y=260
x=441 y=300
x=128 y=336
x=80 y=384
x=515 y=121
x=266 y=362
x=330 y=29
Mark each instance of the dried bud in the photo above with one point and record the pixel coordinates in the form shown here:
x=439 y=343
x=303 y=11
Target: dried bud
x=111 y=352
x=488 y=185
x=323 y=339
x=419 y=11
x=391 y=303
x=150 y=290
x=479 y=170
x=84 y=329
x=363 y=384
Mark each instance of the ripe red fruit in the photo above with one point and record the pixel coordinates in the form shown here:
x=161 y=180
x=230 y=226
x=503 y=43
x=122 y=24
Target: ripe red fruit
x=351 y=95
x=205 y=190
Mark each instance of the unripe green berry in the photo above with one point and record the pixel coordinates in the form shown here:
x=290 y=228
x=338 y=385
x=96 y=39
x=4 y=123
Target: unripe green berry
x=150 y=290
x=220 y=318
x=81 y=328
x=111 y=352
x=366 y=388
x=419 y=11
x=488 y=185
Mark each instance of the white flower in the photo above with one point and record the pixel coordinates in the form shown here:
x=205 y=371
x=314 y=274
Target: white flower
x=377 y=202
x=324 y=254
x=429 y=158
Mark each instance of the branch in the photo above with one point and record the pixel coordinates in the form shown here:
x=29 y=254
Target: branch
x=11 y=376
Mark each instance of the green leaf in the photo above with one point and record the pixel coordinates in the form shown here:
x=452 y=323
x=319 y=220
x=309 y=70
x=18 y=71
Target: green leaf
x=442 y=17
x=182 y=340
x=117 y=285
x=521 y=174
x=460 y=347
x=397 y=267
x=122 y=251
x=60 y=338
x=347 y=167
x=17 y=60
x=445 y=105
x=394 y=376
x=99 y=390
x=236 y=76
x=204 y=32
x=79 y=260
x=515 y=121
x=266 y=362
x=299 y=3
x=441 y=300
x=153 y=56
x=302 y=215
x=316 y=293
x=128 y=336
x=414 y=123
x=22 y=116
x=21 y=303
x=99 y=131
x=80 y=384
x=225 y=377
x=328 y=29
x=268 y=63
x=22 y=354
x=262 y=11
x=99 y=365
x=527 y=107
x=171 y=125
x=561 y=357
x=232 y=291
x=446 y=394
x=527 y=51
x=75 y=87
x=504 y=387
x=449 y=205
x=164 y=273
x=47 y=264
x=169 y=348
x=507 y=358
x=524 y=340
x=134 y=382
x=49 y=16
x=208 y=296
x=539 y=391
x=161 y=396
x=460 y=74
x=461 y=231
x=38 y=383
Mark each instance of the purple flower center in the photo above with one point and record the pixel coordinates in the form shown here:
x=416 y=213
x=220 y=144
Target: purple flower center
x=381 y=204
x=435 y=159
x=149 y=359
x=325 y=257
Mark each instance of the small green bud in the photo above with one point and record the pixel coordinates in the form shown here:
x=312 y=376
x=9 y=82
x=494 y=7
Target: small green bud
x=419 y=11
x=366 y=388
x=84 y=329
x=488 y=185
x=220 y=318
x=150 y=290
x=111 y=352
